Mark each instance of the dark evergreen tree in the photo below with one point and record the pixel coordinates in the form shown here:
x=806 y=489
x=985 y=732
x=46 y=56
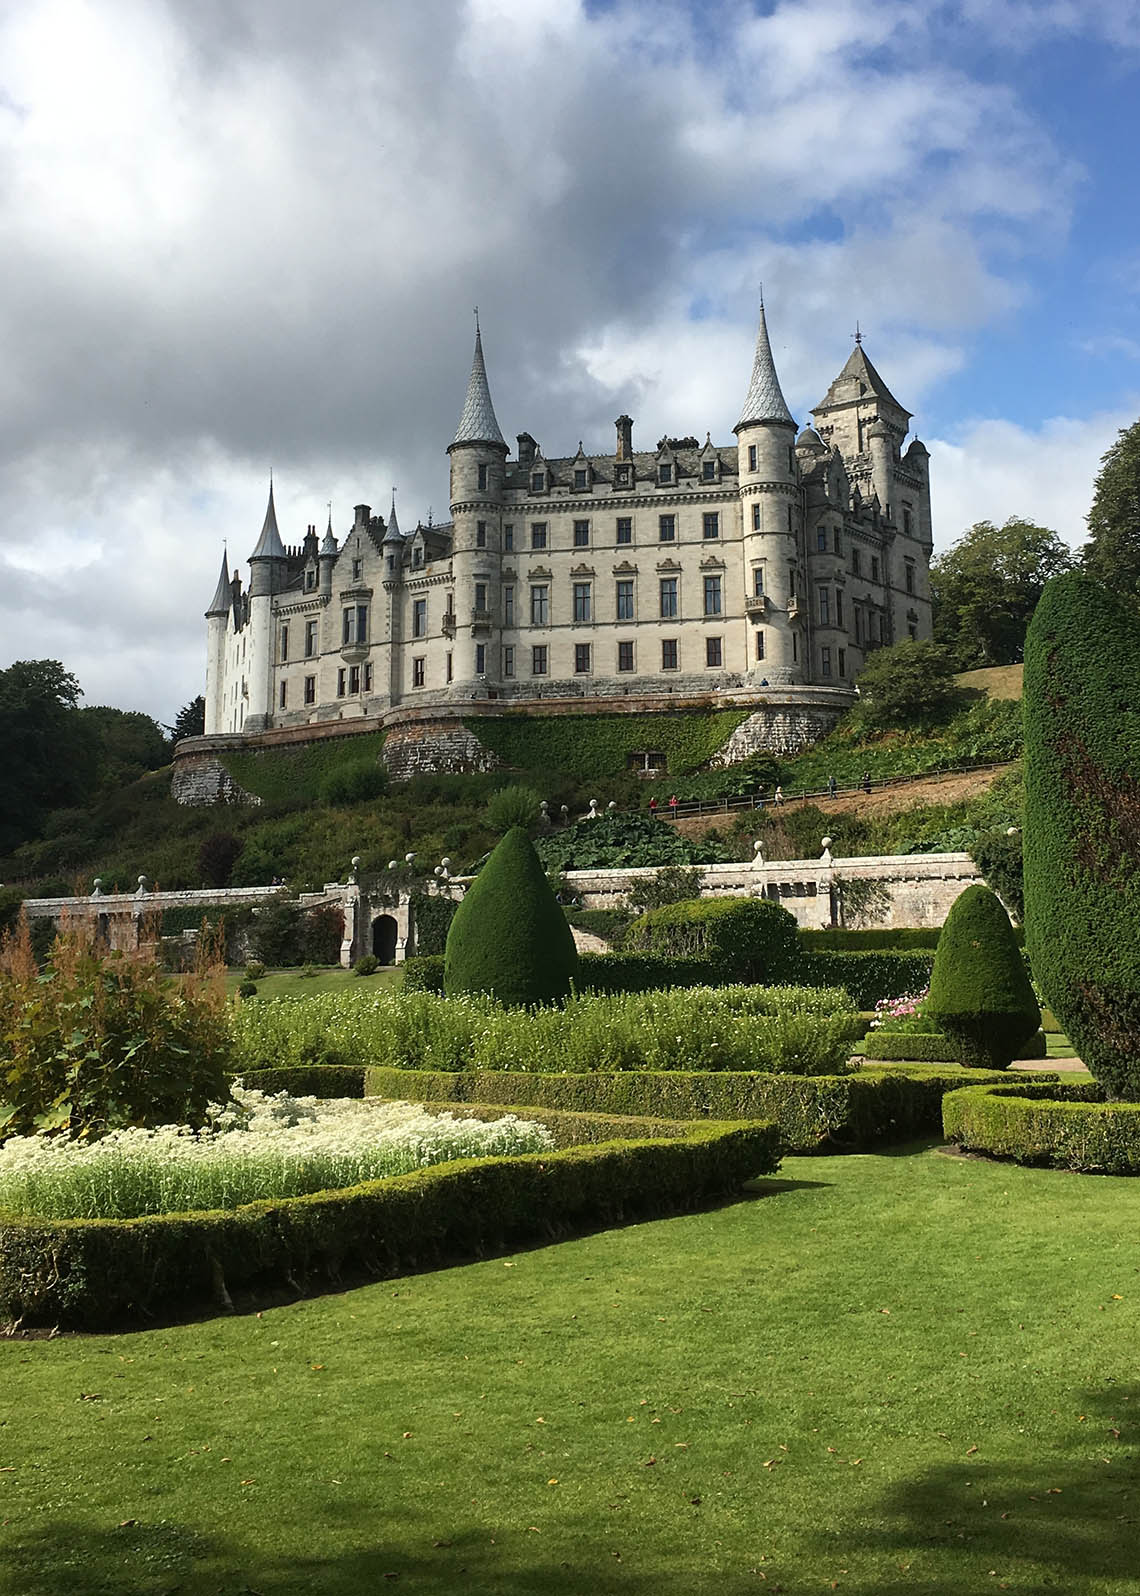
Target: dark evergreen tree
x=509 y=937
x=980 y=993
x=1082 y=822
x=190 y=720
x=50 y=754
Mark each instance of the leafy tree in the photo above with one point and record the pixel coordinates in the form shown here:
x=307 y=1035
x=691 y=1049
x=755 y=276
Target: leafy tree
x=129 y=744
x=1112 y=554
x=50 y=754
x=190 y=720
x=985 y=588
x=217 y=856
x=913 y=682
x=997 y=854
x=512 y=806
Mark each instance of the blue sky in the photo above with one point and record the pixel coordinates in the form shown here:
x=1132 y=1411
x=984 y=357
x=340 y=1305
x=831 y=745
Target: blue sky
x=241 y=235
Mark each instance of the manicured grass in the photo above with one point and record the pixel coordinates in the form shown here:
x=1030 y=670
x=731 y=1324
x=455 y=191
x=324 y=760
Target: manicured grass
x=291 y=983
x=906 y=1373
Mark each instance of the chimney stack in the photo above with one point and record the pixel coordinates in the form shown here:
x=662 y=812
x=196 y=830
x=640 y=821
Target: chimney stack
x=624 y=426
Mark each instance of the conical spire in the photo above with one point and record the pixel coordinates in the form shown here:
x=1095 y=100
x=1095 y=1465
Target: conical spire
x=477 y=423
x=269 y=544
x=765 y=401
x=329 y=544
x=393 y=534
x=220 y=603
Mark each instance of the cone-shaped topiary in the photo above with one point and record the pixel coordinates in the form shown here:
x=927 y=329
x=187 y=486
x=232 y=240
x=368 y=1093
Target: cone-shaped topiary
x=980 y=993
x=509 y=937
x=1082 y=822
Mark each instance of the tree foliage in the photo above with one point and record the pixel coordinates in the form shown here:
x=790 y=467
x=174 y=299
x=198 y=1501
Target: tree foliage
x=909 y=684
x=190 y=720
x=129 y=744
x=1112 y=554
x=50 y=754
x=512 y=806
x=985 y=588
x=1082 y=822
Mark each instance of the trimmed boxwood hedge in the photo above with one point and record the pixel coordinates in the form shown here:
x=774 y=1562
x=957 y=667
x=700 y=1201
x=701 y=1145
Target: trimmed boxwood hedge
x=932 y=1047
x=90 y=1274
x=812 y=1112
x=869 y=977
x=613 y=973
x=750 y=939
x=308 y=1080
x=899 y=939
x=1067 y=1126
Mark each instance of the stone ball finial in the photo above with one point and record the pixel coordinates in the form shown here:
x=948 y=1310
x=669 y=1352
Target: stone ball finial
x=393 y=864
x=438 y=871
x=409 y=857
x=446 y=863
x=612 y=805
x=97 y=890
x=142 y=883
x=356 y=861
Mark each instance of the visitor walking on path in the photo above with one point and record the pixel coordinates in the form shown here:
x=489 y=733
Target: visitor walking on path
x=653 y=809
x=831 y=786
x=673 y=806
x=778 y=795
x=866 y=781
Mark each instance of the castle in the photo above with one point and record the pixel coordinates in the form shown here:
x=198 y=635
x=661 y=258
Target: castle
x=761 y=571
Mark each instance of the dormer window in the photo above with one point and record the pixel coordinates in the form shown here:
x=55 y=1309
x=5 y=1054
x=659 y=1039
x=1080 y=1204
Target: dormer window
x=621 y=476
x=581 y=478
x=708 y=470
x=357 y=570
x=537 y=481
x=417 y=558
x=310 y=580
x=664 y=472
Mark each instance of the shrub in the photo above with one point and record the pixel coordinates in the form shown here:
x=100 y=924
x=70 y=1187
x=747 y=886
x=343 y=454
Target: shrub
x=934 y=1048
x=868 y=977
x=217 y=856
x=308 y=1080
x=431 y=919
x=424 y=973
x=668 y=884
x=1082 y=823
x=512 y=806
x=509 y=937
x=980 y=994
x=354 y=782
x=643 y=972
x=997 y=853
x=247 y=989
x=624 y=841
x=97 y=1274
x=320 y=932
x=1069 y=1126
x=825 y=1111
x=255 y=971
x=750 y=939
x=368 y=964
x=101 y=1040
x=907 y=683
x=609 y=924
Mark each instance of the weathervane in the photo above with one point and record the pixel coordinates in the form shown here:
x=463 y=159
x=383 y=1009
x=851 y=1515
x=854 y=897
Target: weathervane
x=858 y=335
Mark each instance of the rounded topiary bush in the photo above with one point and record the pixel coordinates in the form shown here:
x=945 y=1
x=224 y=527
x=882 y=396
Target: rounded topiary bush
x=980 y=994
x=1082 y=823
x=748 y=939
x=509 y=937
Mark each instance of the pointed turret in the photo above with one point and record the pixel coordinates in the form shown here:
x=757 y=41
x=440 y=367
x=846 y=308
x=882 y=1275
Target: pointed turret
x=269 y=544
x=393 y=533
x=477 y=423
x=765 y=401
x=859 y=381
x=223 y=595
x=329 y=545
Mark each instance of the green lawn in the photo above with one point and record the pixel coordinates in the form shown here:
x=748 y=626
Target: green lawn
x=291 y=983
x=892 y=1373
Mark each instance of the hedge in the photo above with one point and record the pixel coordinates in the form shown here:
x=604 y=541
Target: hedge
x=424 y=973
x=751 y=939
x=932 y=1047
x=612 y=973
x=1067 y=1127
x=307 y=1080
x=869 y=977
x=100 y=1274
x=899 y=939
x=811 y=1112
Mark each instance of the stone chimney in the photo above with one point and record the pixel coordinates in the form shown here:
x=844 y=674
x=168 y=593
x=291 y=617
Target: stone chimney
x=362 y=512
x=624 y=426
x=527 y=447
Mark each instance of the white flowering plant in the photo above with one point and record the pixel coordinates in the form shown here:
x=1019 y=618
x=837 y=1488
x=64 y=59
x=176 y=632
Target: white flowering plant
x=904 y=1016
x=254 y=1146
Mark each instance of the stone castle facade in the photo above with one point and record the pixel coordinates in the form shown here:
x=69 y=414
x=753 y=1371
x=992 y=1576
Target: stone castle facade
x=759 y=570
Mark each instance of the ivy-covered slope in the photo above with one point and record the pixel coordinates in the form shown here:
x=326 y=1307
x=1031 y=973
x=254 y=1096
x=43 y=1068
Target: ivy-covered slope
x=594 y=747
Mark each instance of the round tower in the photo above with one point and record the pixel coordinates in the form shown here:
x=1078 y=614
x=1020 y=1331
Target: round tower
x=770 y=505
x=217 y=621
x=268 y=566
x=478 y=459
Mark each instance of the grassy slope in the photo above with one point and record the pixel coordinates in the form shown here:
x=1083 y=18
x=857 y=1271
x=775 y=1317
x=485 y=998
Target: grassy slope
x=786 y=1394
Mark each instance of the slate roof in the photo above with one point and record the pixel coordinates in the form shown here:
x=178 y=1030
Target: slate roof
x=477 y=423
x=765 y=400
x=269 y=544
x=223 y=595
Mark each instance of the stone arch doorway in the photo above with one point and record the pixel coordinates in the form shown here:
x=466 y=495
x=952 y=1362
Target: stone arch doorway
x=384 y=934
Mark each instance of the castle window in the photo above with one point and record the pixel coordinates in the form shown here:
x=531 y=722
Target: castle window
x=821 y=540
x=712 y=596
x=417 y=559
x=284 y=643
x=713 y=652
x=310 y=689
x=711 y=524
x=450 y=668
x=756 y=515
x=482 y=479
x=758 y=581
x=419 y=618
x=509 y=539
x=367 y=675
x=480 y=534
x=340 y=680
x=391 y=565
x=580 y=478
x=666 y=528
x=538 y=534
x=625 y=657
x=839 y=542
x=843 y=662
x=874 y=568
x=791 y=461
x=481 y=596
x=795 y=647
x=825 y=661
x=354 y=679
x=621 y=476
x=354 y=625
x=708 y=470
x=908 y=522
x=668 y=653
x=581 y=534
x=759 y=643
x=791 y=581
x=282 y=695
x=538 y=481
x=664 y=472
x=838 y=607
x=824 y=608
x=625 y=529
x=791 y=522
x=540 y=606
x=859 y=627
x=909 y=576
x=509 y=660
x=855 y=561
x=357 y=570
x=668 y=598
x=480 y=659
x=581 y=659
x=751 y=457
x=539 y=660
x=625 y=599
x=419 y=669
x=509 y=605
x=310 y=639
x=310 y=580
x=581 y=601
